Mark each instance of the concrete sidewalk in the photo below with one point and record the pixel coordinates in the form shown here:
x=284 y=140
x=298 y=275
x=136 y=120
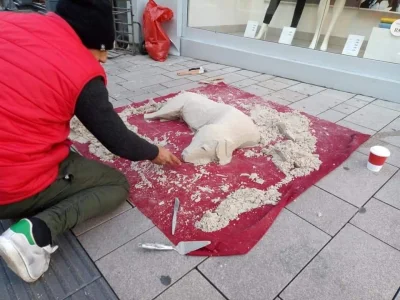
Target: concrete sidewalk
x=340 y=240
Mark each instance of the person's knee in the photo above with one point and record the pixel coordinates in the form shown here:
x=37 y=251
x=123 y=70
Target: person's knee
x=123 y=184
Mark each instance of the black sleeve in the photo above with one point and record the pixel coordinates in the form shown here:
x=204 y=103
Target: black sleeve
x=97 y=114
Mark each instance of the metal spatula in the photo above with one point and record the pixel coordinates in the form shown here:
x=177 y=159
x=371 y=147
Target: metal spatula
x=182 y=248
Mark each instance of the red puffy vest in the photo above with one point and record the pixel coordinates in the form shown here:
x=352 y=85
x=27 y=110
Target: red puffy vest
x=43 y=68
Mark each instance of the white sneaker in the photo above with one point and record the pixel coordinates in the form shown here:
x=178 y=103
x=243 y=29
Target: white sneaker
x=21 y=253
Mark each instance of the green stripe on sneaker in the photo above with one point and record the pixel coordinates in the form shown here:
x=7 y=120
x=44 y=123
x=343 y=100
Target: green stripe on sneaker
x=24 y=227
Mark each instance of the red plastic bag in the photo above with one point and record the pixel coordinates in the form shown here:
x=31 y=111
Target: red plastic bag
x=157 y=42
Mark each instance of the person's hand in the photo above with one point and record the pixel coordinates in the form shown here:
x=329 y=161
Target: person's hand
x=166 y=158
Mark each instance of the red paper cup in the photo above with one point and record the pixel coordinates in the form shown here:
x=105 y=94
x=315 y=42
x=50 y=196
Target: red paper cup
x=377 y=158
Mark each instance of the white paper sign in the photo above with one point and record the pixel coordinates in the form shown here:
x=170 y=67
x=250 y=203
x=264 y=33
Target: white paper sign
x=395 y=28
x=251 y=29
x=287 y=35
x=353 y=45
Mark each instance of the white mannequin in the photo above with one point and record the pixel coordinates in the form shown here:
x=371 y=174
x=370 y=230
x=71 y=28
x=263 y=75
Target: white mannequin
x=323 y=9
x=262 y=34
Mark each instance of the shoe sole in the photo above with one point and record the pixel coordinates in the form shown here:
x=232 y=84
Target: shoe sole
x=14 y=260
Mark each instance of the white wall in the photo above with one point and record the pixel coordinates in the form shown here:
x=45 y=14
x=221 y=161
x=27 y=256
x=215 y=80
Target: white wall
x=234 y=12
x=173 y=28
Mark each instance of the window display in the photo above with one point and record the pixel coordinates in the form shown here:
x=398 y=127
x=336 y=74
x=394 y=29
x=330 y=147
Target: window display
x=363 y=28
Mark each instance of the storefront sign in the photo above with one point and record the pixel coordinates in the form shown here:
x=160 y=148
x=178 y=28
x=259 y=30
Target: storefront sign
x=251 y=29
x=395 y=28
x=353 y=45
x=287 y=35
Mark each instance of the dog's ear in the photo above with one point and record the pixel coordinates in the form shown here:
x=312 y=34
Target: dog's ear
x=224 y=151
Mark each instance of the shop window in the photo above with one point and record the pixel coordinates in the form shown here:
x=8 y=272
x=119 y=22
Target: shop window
x=363 y=28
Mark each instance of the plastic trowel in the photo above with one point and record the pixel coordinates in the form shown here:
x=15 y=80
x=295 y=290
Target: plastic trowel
x=182 y=248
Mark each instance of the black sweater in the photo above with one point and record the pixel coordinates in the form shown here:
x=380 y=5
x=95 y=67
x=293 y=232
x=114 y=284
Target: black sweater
x=97 y=114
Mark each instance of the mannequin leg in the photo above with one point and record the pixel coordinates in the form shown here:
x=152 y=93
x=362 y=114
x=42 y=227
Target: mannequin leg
x=272 y=7
x=298 y=12
x=323 y=9
x=337 y=10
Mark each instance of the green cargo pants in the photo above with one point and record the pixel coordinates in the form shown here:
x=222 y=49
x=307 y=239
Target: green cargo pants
x=84 y=189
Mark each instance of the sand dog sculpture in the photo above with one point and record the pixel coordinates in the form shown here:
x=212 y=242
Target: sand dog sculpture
x=219 y=128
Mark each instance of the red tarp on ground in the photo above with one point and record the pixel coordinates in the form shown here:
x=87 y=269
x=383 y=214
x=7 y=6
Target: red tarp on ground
x=335 y=144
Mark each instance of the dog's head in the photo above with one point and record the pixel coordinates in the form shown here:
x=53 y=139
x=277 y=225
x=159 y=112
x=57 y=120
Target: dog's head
x=209 y=144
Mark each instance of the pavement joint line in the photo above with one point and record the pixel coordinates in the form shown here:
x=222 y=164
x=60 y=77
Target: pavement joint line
x=375 y=237
x=212 y=283
x=100 y=258
x=396 y=208
x=83 y=286
x=307 y=222
x=309 y=262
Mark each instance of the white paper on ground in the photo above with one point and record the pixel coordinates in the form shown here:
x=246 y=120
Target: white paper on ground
x=382 y=45
x=251 y=29
x=287 y=35
x=353 y=45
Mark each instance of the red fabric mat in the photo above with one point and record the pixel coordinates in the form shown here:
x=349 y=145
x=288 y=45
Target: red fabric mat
x=155 y=199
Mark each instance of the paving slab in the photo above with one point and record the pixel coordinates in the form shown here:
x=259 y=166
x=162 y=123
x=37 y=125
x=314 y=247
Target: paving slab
x=393 y=159
x=143 y=97
x=172 y=67
x=248 y=73
x=390 y=192
x=118 y=92
x=273 y=85
x=263 y=77
x=231 y=77
x=140 y=82
x=289 y=82
x=391 y=133
x=121 y=103
x=287 y=247
x=194 y=287
x=92 y=223
x=176 y=82
x=216 y=73
x=380 y=220
x=70 y=270
x=244 y=83
x=257 y=90
x=306 y=89
x=316 y=104
x=142 y=73
x=387 y=104
x=178 y=89
x=337 y=94
x=114 y=70
x=231 y=69
x=113 y=234
x=276 y=100
x=323 y=210
x=135 y=273
x=354 y=265
x=113 y=79
x=356 y=127
x=213 y=67
x=136 y=68
x=345 y=108
x=332 y=115
x=353 y=182
x=97 y=290
x=288 y=95
x=373 y=116
x=356 y=102
x=197 y=77
x=365 y=98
